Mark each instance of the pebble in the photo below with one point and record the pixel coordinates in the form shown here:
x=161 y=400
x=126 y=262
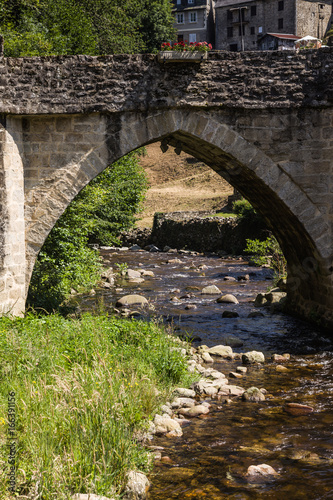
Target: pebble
x=281 y=358
x=281 y=368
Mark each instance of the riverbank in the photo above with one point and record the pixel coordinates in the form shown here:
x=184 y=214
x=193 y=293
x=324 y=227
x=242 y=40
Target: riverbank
x=83 y=391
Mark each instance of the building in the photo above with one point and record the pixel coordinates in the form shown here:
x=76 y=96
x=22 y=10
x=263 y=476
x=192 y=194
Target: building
x=277 y=41
x=194 y=20
x=240 y=24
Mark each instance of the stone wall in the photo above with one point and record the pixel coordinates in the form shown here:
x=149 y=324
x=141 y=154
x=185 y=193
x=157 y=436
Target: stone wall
x=191 y=231
x=86 y=84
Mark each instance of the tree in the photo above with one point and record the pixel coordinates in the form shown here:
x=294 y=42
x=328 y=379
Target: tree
x=46 y=27
x=157 y=24
x=98 y=214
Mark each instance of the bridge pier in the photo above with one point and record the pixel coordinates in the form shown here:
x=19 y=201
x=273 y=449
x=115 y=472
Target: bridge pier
x=12 y=225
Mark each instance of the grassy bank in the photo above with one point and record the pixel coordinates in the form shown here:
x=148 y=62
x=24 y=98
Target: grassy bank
x=83 y=389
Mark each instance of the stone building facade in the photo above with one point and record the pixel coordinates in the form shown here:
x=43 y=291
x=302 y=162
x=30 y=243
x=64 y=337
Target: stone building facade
x=194 y=20
x=240 y=24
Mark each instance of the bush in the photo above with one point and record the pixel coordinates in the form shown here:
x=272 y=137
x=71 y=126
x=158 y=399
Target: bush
x=268 y=252
x=242 y=208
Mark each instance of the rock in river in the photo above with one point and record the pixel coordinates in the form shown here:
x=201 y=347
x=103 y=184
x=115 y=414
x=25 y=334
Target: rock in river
x=195 y=411
x=230 y=314
x=229 y=298
x=221 y=350
x=129 y=300
x=252 y=357
x=210 y=290
x=253 y=394
x=297 y=409
x=260 y=472
x=137 y=486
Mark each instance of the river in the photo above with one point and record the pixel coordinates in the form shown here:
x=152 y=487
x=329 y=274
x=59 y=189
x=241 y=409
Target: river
x=210 y=460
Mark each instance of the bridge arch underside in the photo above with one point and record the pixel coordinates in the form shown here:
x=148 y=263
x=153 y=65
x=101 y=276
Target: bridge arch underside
x=300 y=226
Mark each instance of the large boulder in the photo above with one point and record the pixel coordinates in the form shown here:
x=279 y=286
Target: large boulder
x=130 y=300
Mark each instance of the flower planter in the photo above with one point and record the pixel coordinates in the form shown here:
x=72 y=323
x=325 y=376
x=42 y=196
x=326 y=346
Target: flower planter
x=170 y=56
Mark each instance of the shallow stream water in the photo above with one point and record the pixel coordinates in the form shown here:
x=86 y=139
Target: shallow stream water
x=210 y=460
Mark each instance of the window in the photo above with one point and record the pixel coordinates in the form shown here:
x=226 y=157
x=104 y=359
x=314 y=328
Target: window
x=193 y=17
x=180 y=38
x=229 y=15
x=281 y=5
x=180 y=18
x=233 y=47
x=253 y=30
x=253 y=10
x=241 y=30
x=179 y=2
x=190 y=1
x=192 y=38
x=280 y=24
x=230 y=32
x=260 y=29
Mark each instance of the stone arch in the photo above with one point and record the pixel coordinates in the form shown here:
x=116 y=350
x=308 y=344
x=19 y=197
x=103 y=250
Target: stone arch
x=295 y=220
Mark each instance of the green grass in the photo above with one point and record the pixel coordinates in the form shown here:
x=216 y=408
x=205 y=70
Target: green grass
x=222 y=214
x=83 y=389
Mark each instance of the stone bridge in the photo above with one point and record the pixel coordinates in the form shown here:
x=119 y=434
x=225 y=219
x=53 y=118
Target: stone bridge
x=262 y=120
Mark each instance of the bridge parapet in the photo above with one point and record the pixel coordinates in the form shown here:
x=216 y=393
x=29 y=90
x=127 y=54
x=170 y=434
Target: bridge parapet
x=87 y=84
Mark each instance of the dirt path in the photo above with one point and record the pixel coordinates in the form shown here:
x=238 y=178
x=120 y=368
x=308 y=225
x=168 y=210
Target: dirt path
x=180 y=183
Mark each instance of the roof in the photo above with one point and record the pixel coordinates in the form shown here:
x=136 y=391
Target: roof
x=231 y=3
x=284 y=36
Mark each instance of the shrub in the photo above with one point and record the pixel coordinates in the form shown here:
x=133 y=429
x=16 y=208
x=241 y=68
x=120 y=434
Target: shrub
x=268 y=252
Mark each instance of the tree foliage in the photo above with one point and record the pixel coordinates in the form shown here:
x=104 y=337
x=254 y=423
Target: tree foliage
x=98 y=214
x=46 y=27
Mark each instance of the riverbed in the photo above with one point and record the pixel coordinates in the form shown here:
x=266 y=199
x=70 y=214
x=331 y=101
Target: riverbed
x=210 y=460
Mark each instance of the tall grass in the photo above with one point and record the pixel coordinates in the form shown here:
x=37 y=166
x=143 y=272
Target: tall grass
x=83 y=389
